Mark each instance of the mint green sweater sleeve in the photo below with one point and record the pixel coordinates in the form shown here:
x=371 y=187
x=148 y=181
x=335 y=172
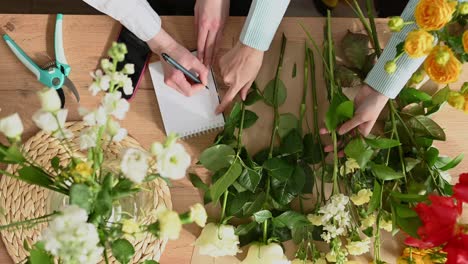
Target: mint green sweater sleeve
x=262 y=22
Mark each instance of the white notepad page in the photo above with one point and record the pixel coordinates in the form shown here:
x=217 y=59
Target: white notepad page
x=186 y=116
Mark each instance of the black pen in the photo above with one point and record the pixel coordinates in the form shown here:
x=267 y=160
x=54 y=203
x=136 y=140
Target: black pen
x=181 y=68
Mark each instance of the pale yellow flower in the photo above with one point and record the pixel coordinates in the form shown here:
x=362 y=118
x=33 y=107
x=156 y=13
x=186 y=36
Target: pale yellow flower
x=331 y=257
x=350 y=166
x=362 y=197
x=198 y=214
x=368 y=221
x=130 y=227
x=315 y=219
x=169 y=224
x=357 y=248
x=218 y=240
x=386 y=225
x=263 y=254
x=301 y=261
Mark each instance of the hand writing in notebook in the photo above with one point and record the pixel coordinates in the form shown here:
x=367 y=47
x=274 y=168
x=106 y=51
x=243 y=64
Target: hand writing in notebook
x=163 y=43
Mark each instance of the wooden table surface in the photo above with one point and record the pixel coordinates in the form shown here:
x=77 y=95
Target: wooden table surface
x=86 y=39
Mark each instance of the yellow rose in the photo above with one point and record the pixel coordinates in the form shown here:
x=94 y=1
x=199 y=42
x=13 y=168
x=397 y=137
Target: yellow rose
x=169 y=224
x=442 y=73
x=465 y=41
x=434 y=14
x=418 y=43
x=362 y=197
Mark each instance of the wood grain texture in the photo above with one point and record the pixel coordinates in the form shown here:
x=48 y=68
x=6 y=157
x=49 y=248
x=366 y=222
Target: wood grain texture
x=88 y=37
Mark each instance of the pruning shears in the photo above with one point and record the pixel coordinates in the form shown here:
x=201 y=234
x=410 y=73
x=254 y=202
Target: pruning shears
x=55 y=74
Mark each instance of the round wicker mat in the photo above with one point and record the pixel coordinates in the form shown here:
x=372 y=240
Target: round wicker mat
x=23 y=201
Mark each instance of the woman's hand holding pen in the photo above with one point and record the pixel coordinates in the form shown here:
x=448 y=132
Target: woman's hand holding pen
x=164 y=43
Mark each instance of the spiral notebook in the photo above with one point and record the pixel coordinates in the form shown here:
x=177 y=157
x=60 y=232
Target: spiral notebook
x=186 y=116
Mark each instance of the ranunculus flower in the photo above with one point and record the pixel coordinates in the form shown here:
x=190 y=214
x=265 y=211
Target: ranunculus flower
x=465 y=40
x=134 y=165
x=442 y=73
x=390 y=67
x=362 y=197
x=265 y=254
x=198 y=214
x=218 y=240
x=434 y=14
x=457 y=249
x=50 y=101
x=418 y=43
x=439 y=220
x=172 y=160
x=169 y=224
x=11 y=126
x=460 y=190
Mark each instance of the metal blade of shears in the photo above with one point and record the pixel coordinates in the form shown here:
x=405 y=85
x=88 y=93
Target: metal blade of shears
x=69 y=84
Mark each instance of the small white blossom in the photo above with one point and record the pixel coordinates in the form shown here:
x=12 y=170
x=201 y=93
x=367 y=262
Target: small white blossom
x=335 y=217
x=357 y=248
x=218 y=240
x=172 y=160
x=106 y=65
x=115 y=131
x=115 y=105
x=129 y=69
x=134 y=165
x=97 y=117
x=260 y=253
x=70 y=238
x=88 y=138
x=11 y=126
x=50 y=122
x=101 y=82
x=50 y=100
x=127 y=86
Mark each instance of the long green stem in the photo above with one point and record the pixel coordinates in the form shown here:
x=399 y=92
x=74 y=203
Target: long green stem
x=223 y=212
x=106 y=257
x=397 y=136
x=335 y=163
x=370 y=14
x=265 y=231
x=32 y=221
x=303 y=108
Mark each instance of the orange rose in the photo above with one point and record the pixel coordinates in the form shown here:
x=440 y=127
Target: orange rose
x=434 y=14
x=465 y=41
x=441 y=68
x=418 y=43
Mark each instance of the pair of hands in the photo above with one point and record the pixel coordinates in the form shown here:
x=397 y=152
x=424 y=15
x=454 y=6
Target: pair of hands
x=239 y=67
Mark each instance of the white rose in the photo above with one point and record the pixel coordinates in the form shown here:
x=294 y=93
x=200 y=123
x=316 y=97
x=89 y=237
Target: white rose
x=50 y=122
x=169 y=224
x=362 y=197
x=172 y=161
x=301 y=261
x=315 y=219
x=115 y=105
x=129 y=68
x=134 y=165
x=88 y=139
x=50 y=100
x=198 y=214
x=97 y=117
x=218 y=240
x=11 y=126
x=357 y=248
x=265 y=254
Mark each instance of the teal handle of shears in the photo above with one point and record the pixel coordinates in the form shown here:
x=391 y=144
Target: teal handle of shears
x=45 y=77
x=60 y=58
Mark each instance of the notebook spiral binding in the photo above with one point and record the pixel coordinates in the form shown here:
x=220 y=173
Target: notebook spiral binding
x=202 y=131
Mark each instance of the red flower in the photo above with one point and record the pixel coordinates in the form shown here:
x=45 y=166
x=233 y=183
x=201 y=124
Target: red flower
x=439 y=221
x=457 y=250
x=460 y=190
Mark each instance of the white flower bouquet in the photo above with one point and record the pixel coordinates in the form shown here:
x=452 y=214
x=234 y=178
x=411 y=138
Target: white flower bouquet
x=84 y=230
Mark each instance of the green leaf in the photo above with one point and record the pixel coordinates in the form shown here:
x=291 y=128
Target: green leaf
x=385 y=173
x=345 y=109
x=150 y=262
x=356 y=48
x=298 y=179
x=249 y=119
x=426 y=127
x=217 y=157
x=400 y=48
x=223 y=183
x=292 y=143
x=36 y=176
x=262 y=216
x=382 y=143
x=253 y=96
x=82 y=196
x=197 y=182
x=413 y=109
x=278 y=168
x=250 y=178
x=236 y=203
x=268 y=93
x=431 y=156
x=283 y=191
x=312 y=153
x=339 y=111
x=290 y=219
x=358 y=150
x=412 y=95
x=55 y=163
x=103 y=203
x=408 y=197
x=14 y=155
x=251 y=207
x=374 y=202
x=287 y=123
x=411 y=163
x=242 y=230
x=38 y=255
x=453 y=163
x=122 y=250
x=408 y=225
x=441 y=96
x=404 y=211
x=347 y=77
